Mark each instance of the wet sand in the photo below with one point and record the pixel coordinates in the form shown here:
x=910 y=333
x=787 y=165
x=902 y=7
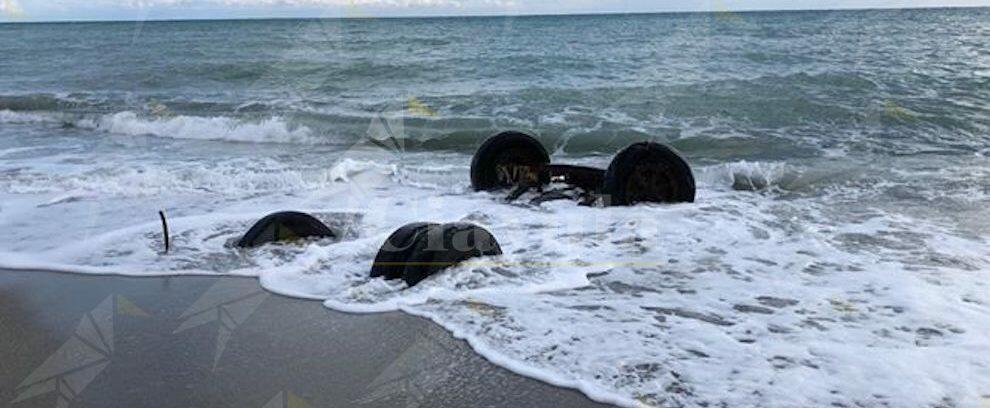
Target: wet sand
x=102 y=341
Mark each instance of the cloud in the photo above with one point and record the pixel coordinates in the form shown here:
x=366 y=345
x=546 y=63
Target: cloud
x=332 y=3
x=60 y=10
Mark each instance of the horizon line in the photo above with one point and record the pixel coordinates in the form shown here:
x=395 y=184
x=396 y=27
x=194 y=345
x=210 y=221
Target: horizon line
x=490 y=15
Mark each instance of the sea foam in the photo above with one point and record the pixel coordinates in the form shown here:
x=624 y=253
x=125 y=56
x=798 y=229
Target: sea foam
x=273 y=129
x=270 y=130
x=737 y=299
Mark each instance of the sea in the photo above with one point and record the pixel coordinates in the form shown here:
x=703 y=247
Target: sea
x=836 y=255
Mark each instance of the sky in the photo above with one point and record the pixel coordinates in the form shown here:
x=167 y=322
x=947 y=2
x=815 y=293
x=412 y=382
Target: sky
x=60 y=10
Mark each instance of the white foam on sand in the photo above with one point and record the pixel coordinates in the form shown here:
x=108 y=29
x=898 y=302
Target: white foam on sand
x=745 y=298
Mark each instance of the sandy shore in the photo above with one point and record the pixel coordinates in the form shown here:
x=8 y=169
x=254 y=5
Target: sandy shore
x=101 y=341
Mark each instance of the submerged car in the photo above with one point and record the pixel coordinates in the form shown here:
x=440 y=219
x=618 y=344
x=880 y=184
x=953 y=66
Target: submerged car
x=642 y=172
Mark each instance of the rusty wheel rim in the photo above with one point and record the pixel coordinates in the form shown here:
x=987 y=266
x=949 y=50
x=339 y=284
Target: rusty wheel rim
x=515 y=167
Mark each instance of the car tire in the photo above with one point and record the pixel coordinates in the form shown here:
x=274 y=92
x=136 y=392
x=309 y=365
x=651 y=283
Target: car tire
x=508 y=159
x=444 y=246
x=284 y=226
x=390 y=262
x=648 y=172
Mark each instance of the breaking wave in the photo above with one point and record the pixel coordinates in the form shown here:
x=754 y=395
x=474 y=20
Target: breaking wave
x=267 y=130
x=271 y=130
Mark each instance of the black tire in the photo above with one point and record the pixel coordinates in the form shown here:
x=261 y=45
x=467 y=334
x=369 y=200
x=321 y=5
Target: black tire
x=443 y=246
x=284 y=226
x=648 y=172
x=508 y=159
x=391 y=259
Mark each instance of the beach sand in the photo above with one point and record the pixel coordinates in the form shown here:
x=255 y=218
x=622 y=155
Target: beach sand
x=102 y=341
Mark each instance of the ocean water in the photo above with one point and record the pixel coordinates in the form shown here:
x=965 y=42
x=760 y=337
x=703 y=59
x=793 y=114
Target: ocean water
x=837 y=252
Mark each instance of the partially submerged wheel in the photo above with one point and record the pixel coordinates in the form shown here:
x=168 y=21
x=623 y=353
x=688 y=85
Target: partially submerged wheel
x=508 y=159
x=284 y=226
x=418 y=251
x=648 y=172
x=443 y=246
x=391 y=259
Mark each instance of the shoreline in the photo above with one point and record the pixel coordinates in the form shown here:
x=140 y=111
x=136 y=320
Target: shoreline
x=225 y=341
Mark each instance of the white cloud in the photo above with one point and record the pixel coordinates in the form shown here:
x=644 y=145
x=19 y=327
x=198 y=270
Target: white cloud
x=61 y=10
x=335 y=3
x=52 y=10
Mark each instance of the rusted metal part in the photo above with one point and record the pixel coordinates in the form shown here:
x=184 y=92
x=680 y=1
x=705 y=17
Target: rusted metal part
x=585 y=182
x=587 y=178
x=517 y=192
x=511 y=172
x=168 y=241
x=554 y=195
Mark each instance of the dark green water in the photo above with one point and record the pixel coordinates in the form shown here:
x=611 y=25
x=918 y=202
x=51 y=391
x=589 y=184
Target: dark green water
x=875 y=82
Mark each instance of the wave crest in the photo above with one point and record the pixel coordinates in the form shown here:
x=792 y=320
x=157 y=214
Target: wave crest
x=750 y=176
x=272 y=130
